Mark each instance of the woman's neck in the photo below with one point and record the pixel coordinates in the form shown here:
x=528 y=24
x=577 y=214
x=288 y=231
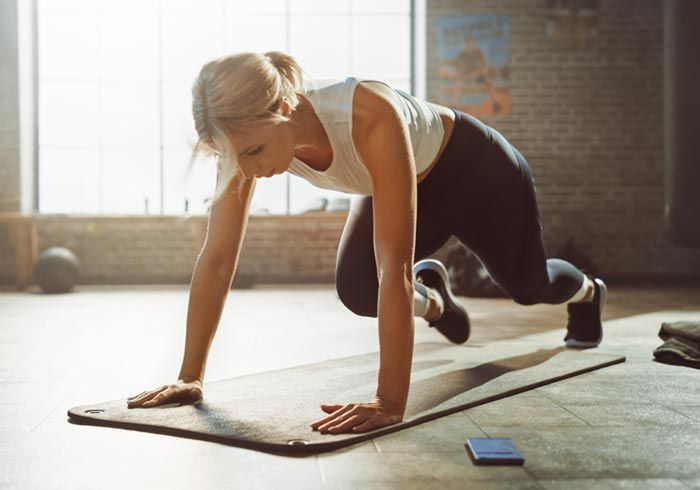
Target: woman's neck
x=311 y=138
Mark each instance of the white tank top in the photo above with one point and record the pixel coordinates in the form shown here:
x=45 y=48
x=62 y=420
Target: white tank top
x=333 y=106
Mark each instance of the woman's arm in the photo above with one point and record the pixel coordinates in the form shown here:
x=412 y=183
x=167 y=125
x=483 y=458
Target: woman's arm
x=214 y=272
x=211 y=282
x=383 y=143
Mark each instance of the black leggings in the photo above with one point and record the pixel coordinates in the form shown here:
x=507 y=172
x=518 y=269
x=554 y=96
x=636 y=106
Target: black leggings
x=482 y=192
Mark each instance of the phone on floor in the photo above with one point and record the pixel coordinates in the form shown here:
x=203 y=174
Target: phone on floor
x=493 y=451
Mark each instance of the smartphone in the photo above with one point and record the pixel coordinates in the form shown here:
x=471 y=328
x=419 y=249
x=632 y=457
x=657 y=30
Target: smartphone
x=493 y=451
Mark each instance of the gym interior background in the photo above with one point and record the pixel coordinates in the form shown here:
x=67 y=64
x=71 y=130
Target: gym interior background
x=589 y=119
x=598 y=95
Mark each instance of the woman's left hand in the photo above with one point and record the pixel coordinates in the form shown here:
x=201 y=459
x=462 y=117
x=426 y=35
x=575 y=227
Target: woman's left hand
x=358 y=417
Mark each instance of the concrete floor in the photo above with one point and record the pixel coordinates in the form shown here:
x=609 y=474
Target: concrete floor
x=633 y=425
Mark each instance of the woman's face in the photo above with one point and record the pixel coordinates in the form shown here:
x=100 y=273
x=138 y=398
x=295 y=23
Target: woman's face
x=265 y=152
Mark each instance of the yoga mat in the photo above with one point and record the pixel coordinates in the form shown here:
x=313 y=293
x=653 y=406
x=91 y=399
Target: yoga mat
x=271 y=411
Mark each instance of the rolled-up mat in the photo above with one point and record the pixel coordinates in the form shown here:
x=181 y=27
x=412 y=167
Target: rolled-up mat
x=272 y=411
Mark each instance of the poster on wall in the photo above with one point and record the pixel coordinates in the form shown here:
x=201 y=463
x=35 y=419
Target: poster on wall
x=572 y=24
x=473 y=64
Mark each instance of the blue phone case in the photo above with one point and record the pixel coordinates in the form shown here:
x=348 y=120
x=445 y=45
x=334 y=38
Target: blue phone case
x=493 y=451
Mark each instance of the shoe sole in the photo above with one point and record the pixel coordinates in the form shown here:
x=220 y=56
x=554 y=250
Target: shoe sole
x=587 y=344
x=443 y=289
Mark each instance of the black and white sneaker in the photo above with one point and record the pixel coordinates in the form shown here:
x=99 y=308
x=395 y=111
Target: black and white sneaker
x=454 y=321
x=585 y=327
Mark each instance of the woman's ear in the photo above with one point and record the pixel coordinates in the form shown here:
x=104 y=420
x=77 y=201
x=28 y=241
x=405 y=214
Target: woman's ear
x=284 y=107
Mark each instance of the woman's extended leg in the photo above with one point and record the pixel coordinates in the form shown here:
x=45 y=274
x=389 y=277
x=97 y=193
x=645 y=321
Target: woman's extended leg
x=500 y=223
x=504 y=230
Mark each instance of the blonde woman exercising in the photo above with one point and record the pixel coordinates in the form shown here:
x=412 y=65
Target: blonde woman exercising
x=423 y=172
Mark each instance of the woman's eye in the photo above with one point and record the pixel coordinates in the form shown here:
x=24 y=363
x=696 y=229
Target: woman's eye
x=256 y=150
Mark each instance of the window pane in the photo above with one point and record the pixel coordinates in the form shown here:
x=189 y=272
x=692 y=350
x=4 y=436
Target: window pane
x=82 y=7
x=321 y=44
x=270 y=196
x=257 y=7
x=303 y=194
x=67 y=46
x=189 y=41
x=403 y=85
x=68 y=180
x=129 y=114
x=256 y=33
x=198 y=187
x=129 y=178
x=178 y=124
x=385 y=6
x=68 y=113
x=195 y=7
x=387 y=59
x=319 y=6
x=138 y=7
x=133 y=56
x=105 y=106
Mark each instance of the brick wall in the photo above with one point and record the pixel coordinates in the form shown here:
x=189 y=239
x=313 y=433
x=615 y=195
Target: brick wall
x=147 y=250
x=590 y=124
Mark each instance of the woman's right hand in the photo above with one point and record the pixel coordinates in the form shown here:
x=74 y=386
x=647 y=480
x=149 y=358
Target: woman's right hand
x=182 y=391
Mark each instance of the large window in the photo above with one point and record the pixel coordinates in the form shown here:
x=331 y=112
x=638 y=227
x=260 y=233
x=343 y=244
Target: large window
x=115 y=80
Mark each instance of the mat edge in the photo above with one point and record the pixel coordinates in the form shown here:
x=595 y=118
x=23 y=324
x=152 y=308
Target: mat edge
x=320 y=447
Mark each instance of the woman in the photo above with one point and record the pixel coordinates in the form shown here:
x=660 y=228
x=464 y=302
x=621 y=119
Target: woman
x=423 y=172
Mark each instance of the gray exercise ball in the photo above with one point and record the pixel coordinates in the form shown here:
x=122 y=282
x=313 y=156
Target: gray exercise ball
x=57 y=270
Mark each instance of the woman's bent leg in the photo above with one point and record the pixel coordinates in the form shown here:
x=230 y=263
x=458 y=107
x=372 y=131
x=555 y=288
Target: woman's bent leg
x=356 y=269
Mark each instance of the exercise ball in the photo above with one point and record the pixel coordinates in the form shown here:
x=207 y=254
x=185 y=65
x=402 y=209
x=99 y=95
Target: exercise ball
x=57 y=270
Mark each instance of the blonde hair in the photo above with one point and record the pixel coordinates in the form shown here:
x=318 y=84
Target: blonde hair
x=239 y=93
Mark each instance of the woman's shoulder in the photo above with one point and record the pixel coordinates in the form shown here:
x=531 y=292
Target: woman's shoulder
x=347 y=84
x=374 y=101
x=364 y=101
x=323 y=85
x=374 y=98
x=373 y=104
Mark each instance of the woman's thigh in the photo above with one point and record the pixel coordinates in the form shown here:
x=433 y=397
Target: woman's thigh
x=356 y=267
x=501 y=223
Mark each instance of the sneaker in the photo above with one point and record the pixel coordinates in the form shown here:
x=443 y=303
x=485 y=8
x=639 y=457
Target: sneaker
x=454 y=321
x=585 y=327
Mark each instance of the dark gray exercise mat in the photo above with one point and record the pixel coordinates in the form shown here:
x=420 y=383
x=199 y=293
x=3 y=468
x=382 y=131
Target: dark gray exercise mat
x=272 y=411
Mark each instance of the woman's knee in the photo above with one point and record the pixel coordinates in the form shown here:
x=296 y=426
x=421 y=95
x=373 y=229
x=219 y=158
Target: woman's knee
x=526 y=298
x=357 y=293
x=527 y=295
x=355 y=273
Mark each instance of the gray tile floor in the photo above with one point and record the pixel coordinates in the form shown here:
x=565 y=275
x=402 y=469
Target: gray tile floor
x=634 y=425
